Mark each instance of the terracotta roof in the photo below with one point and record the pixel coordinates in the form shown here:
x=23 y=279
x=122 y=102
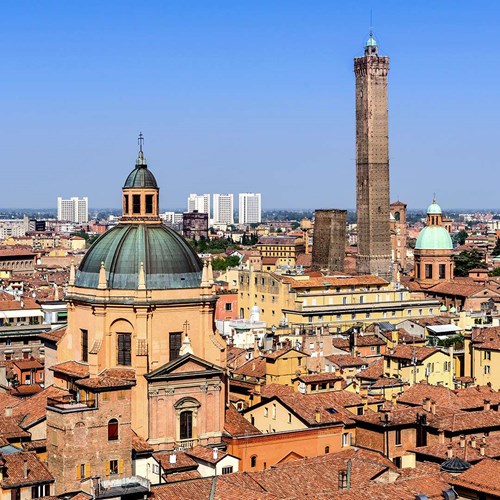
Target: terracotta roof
x=188 y=475
x=10 y=430
x=330 y=405
x=14 y=305
x=139 y=444
x=236 y=424
x=387 y=382
x=346 y=360
x=28 y=364
x=254 y=368
x=408 y=352
x=439 y=451
x=479 y=477
x=319 y=377
x=25 y=390
x=183 y=461
x=304 y=260
x=15 y=464
x=373 y=371
x=53 y=335
x=206 y=454
x=74 y=369
x=281 y=352
x=33 y=409
x=8 y=401
x=104 y=381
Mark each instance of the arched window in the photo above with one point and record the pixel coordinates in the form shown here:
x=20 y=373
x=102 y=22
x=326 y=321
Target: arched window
x=253 y=461
x=113 y=430
x=327 y=449
x=186 y=425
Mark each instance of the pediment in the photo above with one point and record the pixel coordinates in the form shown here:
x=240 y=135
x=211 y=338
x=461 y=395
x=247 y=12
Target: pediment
x=187 y=365
x=290 y=457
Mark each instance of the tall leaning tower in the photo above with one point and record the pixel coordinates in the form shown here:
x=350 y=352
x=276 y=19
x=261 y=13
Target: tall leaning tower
x=372 y=162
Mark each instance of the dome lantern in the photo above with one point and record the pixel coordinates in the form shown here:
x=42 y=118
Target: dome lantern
x=141 y=192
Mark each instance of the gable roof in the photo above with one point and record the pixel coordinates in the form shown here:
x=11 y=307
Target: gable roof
x=168 y=371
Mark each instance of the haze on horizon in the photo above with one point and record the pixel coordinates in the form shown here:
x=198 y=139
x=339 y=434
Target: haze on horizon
x=236 y=97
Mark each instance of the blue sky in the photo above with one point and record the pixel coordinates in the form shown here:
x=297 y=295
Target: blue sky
x=236 y=96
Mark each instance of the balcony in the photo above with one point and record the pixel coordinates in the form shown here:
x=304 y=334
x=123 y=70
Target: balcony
x=186 y=444
x=69 y=404
x=123 y=487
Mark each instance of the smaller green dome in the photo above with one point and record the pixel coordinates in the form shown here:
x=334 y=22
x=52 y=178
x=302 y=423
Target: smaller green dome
x=434 y=238
x=443 y=308
x=453 y=309
x=434 y=208
x=371 y=42
x=141 y=177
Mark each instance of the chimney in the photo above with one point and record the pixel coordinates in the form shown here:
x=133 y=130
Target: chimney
x=487 y=405
x=482 y=448
x=317 y=416
x=427 y=404
x=473 y=441
x=8 y=411
x=449 y=451
x=25 y=469
x=462 y=441
x=433 y=407
x=215 y=453
x=172 y=459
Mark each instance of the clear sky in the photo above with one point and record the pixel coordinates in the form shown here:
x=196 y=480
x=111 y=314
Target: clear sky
x=236 y=96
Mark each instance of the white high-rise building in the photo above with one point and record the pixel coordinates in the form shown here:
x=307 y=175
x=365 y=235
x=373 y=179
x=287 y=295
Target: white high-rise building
x=223 y=209
x=73 y=209
x=199 y=202
x=250 y=208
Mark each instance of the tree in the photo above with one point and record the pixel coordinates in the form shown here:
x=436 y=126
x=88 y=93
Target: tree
x=224 y=263
x=467 y=260
x=460 y=237
x=495 y=272
x=496 y=249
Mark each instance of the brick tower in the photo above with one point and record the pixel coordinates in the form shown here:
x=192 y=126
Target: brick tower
x=372 y=162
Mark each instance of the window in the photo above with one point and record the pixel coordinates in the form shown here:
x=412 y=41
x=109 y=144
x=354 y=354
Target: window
x=124 y=346
x=289 y=418
x=345 y=439
x=253 y=460
x=266 y=412
x=126 y=208
x=486 y=369
x=360 y=410
x=397 y=437
x=227 y=470
x=274 y=411
x=113 y=465
x=174 y=345
x=228 y=306
x=136 y=203
x=428 y=271
x=343 y=480
x=41 y=490
x=487 y=355
x=149 y=203
x=15 y=494
x=327 y=450
x=113 y=430
x=85 y=345
x=156 y=469
x=442 y=271
x=186 y=425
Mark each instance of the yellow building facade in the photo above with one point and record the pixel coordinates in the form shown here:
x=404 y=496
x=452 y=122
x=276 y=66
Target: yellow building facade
x=336 y=302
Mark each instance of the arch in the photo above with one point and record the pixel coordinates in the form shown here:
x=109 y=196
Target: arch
x=327 y=450
x=186 y=425
x=253 y=461
x=187 y=403
x=113 y=432
x=397 y=215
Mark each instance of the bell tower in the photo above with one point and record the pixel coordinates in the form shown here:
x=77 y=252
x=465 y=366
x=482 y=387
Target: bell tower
x=372 y=162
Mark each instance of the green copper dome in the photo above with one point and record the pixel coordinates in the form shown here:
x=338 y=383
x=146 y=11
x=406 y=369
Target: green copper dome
x=434 y=238
x=169 y=262
x=371 y=42
x=434 y=208
x=141 y=176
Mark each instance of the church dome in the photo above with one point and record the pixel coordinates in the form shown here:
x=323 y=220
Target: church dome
x=434 y=238
x=141 y=176
x=169 y=262
x=434 y=209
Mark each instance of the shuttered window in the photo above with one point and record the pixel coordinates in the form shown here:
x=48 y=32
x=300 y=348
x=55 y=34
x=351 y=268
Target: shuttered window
x=174 y=345
x=124 y=346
